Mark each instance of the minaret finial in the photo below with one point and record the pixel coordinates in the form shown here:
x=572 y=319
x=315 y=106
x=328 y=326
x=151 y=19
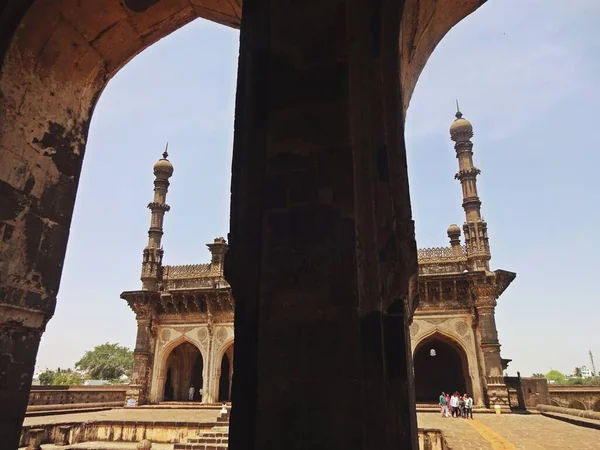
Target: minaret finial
x=166 y=153
x=458 y=113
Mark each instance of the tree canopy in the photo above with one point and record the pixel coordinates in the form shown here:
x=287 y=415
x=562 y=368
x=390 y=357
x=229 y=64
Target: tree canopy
x=106 y=362
x=556 y=377
x=60 y=377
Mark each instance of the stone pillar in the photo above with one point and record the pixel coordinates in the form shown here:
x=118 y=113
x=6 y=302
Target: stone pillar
x=322 y=242
x=139 y=389
x=35 y=437
x=485 y=304
x=20 y=332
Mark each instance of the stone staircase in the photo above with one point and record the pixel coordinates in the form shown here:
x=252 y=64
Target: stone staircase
x=214 y=439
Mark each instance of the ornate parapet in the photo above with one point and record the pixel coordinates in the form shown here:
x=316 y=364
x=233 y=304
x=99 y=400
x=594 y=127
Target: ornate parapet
x=497 y=392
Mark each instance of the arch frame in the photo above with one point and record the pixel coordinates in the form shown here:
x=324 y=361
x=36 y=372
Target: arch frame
x=215 y=371
x=466 y=347
x=159 y=370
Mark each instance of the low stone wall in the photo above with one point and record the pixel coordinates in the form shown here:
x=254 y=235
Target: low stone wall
x=569 y=411
x=65 y=395
x=160 y=432
x=167 y=432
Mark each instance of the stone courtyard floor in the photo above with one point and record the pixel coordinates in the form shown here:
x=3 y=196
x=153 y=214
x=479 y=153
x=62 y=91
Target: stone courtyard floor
x=511 y=431
x=488 y=431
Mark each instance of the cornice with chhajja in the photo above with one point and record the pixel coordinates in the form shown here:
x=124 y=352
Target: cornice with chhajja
x=466 y=173
x=159 y=206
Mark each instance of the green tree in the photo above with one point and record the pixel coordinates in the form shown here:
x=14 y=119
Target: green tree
x=60 y=377
x=106 y=362
x=577 y=373
x=538 y=375
x=556 y=377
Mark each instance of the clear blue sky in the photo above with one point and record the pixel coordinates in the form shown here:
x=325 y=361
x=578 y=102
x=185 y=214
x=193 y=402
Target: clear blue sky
x=526 y=74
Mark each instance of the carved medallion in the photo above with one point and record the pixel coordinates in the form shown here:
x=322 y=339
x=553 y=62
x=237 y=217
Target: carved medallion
x=165 y=335
x=436 y=321
x=414 y=329
x=184 y=330
x=202 y=334
x=461 y=328
x=221 y=334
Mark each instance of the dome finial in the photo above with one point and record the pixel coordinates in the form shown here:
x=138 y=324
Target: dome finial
x=458 y=114
x=166 y=153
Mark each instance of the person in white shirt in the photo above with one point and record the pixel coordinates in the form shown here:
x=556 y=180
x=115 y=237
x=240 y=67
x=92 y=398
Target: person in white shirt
x=468 y=407
x=454 y=405
x=191 y=393
x=224 y=409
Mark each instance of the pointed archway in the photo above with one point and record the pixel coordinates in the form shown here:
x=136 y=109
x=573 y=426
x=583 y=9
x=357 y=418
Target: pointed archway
x=440 y=365
x=184 y=368
x=226 y=375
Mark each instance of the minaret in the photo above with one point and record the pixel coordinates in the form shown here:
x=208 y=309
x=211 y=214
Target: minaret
x=153 y=253
x=474 y=228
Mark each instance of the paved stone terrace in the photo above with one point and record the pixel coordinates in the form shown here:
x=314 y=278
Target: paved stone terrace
x=488 y=431
x=510 y=432
x=195 y=415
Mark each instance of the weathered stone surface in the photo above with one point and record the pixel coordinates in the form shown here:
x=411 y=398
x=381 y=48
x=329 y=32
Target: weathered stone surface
x=57 y=56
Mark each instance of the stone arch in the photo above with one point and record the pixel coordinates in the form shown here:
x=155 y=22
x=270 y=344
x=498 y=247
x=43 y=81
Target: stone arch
x=161 y=368
x=469 y=351
x=451 y=355
x=555 y=403
x=56 y=58
x=577 y=404
x=225 y=371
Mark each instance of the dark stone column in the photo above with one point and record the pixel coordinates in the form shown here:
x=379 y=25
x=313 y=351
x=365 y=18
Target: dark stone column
x=20 y=332
x=322 y=244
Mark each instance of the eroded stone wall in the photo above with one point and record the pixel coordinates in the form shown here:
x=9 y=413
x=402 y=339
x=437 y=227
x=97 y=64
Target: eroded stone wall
x=62 y=395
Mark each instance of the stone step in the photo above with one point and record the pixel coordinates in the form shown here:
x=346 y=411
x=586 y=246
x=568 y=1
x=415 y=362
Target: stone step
x=200 y=446
x=207 y=440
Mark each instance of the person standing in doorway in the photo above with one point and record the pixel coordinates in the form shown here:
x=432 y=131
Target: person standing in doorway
x=454 y=404
x=443 y=405
x=191 y=393
x=468 y=406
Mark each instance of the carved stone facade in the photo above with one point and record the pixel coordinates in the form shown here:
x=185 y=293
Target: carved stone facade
x=453 y=335
x=457 y=298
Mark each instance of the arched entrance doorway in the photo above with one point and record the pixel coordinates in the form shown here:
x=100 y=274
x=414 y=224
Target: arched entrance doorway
x=183 y=368
x=226 y=375
x=440 y=365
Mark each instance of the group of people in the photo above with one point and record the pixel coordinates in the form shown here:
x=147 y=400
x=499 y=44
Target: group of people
x=456 y=405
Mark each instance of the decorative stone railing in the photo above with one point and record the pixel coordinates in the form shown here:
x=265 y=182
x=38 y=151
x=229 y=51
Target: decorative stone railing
x=495 y=380
x=76 y=395
x=437 y=268
x=436 y=253
x=195 y=283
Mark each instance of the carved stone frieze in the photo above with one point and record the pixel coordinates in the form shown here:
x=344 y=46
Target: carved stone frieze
x=435 y=320
x=414 y=329
x=202 y=334
x=165 y=335
x=221 y=335
x=461 y=327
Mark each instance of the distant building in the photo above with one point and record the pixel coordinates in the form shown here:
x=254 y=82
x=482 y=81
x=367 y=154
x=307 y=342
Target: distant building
x=585 y=372
x=95 y=382
x=185 y=313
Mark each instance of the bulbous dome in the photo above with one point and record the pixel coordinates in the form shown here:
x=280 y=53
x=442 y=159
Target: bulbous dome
x=163 y=167
x=453 y=230
x=461 y=129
